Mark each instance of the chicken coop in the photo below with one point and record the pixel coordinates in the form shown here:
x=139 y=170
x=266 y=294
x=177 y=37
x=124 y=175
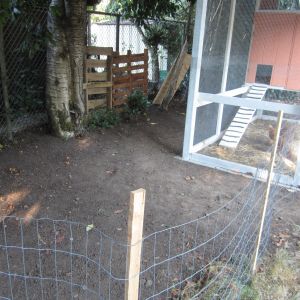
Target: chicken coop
x=245 y=69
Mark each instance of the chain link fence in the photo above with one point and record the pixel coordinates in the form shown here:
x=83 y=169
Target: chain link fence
x=24 y=45
x=210 y=257
x=109 y=30
x=25 y=41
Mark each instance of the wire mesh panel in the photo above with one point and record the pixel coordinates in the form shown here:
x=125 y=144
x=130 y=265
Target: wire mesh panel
x=25 y=41
x=210 y=257
x=104 y=30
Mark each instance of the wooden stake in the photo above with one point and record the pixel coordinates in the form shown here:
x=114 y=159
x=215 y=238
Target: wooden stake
x=268 y=188
x=135 y=235
x=109 y=79
x=4 y=85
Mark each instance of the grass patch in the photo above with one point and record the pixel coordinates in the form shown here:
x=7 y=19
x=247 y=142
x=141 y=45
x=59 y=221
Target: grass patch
x=277 y=279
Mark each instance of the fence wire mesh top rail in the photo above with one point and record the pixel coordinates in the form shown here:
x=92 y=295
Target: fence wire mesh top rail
x=207 y=258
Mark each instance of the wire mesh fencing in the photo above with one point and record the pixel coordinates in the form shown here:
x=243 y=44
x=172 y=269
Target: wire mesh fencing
x=24 y=45
x=210 y=257
x=109 y=30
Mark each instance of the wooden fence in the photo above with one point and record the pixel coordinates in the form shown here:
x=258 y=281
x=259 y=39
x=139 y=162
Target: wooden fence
x=110 y=78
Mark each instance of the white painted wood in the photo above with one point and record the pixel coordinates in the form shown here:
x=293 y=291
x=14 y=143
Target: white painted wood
x=226 y=63
x=297 y=170
x=249 y=103
x=205 y=143
x=236 y=92
x=199 y=33
x=257 y=6
x=243 y=118
x=240 y=169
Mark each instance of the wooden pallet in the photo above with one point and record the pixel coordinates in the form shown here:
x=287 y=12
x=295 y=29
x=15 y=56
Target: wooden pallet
x=110 y=78
x=243 y=118
x=98 y=77
x=129 y=72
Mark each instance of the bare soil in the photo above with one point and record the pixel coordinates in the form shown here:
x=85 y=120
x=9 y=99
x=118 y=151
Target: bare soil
x=88 y=179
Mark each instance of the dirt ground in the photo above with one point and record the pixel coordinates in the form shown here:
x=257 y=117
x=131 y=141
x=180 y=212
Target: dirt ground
x=88 y=179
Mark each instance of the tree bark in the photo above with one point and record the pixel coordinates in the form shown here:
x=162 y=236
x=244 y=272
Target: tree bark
x=76 y=39
x=153 y=50
x=58 y=72
x=65 y=56
x=4 y=85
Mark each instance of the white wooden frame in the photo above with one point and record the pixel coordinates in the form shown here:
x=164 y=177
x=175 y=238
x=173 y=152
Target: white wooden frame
x=197 y=99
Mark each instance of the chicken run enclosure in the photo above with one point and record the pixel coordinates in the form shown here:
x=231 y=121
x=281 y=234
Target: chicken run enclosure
x=245 y=69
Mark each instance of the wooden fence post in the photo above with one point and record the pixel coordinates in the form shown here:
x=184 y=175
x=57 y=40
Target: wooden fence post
x=267 y=190
x=118 y=34
x=4 y=85
x=146 y=57
x=129 y=73
x=135 y=235
x=109 y=79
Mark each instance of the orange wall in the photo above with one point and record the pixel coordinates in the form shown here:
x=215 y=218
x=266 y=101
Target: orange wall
x=276 y=41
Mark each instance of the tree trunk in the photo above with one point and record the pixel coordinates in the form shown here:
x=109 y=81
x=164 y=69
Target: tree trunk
x=58 y=72
x=155 y=66
x=4 y=85
x=65 y=57
x=153 y=50
x=76 y=38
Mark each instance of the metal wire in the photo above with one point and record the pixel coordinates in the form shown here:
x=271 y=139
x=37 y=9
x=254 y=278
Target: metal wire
x=207 y=258
x=25 y=40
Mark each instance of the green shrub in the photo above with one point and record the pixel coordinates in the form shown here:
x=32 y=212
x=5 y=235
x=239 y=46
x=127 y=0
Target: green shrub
x=137 y=105
x=103 y=118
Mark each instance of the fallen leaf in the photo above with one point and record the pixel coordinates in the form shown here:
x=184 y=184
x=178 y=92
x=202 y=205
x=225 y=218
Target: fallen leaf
x=59 y=238
x=90 y=227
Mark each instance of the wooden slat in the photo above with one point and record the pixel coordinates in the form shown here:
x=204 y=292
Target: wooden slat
x=119 y=101
x=137 y=76
x=91 y=50
x=139 y=83
x=121 y=85
x=95 y=63
x=121 y=79
x=121 y=94
x=129 y=58
x=92 y=104
x=129 y=68
x=96 y=91
x=91 y=85
x=96 y=76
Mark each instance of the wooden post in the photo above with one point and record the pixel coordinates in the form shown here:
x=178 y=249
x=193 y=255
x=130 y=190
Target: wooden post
x=146 y=57
x=109 y=79
x=4 y=84
x=129 y=71
x=267 y=191
x=135 y=235
x=118 y=34
x=226 y=64
x=191 y=111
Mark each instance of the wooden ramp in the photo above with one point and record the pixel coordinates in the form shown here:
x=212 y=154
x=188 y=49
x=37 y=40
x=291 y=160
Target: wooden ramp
x=243 y=118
